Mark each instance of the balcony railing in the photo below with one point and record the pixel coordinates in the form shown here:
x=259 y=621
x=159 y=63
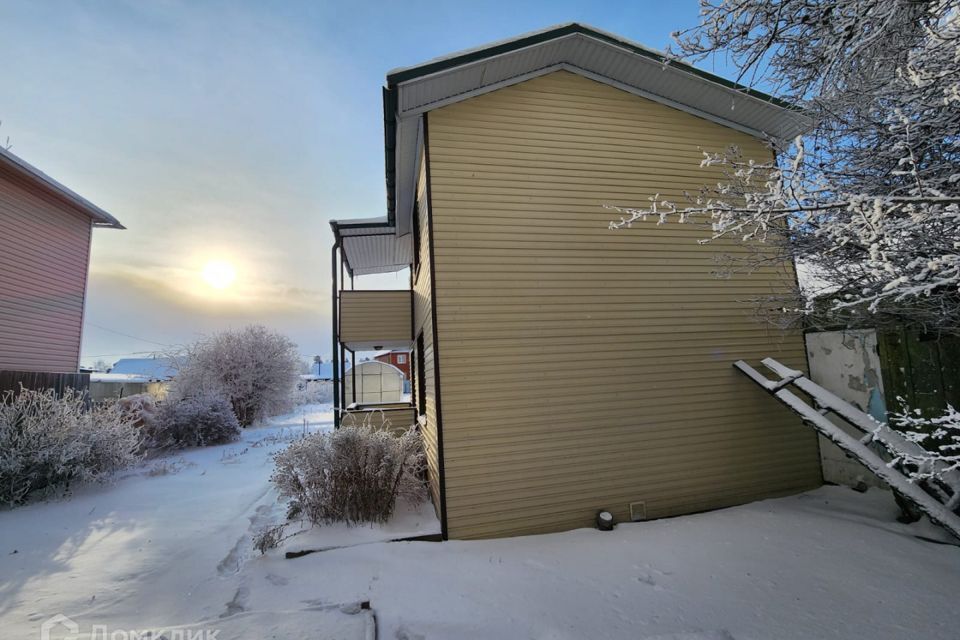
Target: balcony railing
x=374 y=320
x=397 y=416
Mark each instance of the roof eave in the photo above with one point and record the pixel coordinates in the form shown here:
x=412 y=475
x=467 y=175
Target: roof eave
x=402 y=75
x=101 y=219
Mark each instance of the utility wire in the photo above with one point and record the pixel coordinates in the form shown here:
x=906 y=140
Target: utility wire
x=125 y=353
x=121 y=333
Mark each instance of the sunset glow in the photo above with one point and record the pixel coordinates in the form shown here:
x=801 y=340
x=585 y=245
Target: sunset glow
x=219 y=274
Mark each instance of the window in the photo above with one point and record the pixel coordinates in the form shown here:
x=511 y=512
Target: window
x=402 y=358
x=421 y=378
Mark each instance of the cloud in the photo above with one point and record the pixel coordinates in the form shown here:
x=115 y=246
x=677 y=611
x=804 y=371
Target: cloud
x=152 y=312
x=183 y=289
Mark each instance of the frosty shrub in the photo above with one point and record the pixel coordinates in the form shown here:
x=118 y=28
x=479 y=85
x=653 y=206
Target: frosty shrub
x=269 y=538
x=142 y=411
x=48 y=442
x=354 y=474
x=197 y=421
x=254 y=368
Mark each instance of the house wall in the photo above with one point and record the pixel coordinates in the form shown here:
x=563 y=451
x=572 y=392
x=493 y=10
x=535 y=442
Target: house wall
x=44 y=255
x=584 y=368
x=423 y=324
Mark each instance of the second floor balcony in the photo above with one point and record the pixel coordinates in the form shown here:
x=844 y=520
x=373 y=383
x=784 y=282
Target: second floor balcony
x=375 y=320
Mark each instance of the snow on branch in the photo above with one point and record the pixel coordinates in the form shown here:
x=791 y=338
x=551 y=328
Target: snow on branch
x=939 y=438
x=869 y=198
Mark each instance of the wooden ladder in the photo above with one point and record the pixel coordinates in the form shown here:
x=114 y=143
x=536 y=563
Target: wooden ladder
x=939 y=500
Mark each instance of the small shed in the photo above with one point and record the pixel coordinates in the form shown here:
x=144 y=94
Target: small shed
x=104 y=386
x=377 y=382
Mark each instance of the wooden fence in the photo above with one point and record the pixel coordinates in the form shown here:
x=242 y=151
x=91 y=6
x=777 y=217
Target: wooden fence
x=12 y=380
x=922 y=369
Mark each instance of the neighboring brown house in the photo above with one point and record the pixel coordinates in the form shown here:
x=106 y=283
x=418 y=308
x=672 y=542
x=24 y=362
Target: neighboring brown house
x=560 y=367
x=399 y=359
x=45 y=232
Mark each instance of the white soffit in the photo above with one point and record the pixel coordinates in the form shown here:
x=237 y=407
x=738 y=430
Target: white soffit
x=370 y=247
x=604 y=61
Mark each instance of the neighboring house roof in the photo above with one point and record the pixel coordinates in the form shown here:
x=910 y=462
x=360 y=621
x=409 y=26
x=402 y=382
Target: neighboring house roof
x=21 y=167
x=153 y=368
x=412 y=91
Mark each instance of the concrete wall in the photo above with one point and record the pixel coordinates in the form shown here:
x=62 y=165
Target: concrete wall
x=848 y=364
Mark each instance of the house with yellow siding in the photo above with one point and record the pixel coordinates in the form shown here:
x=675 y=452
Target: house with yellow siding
x=561 y=368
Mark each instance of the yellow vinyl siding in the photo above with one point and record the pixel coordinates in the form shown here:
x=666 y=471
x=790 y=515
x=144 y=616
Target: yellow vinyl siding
x=374 y=317
x=423 y=322
x=585 y=368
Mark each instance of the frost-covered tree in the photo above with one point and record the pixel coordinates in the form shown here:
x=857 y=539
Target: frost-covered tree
x=868 y=200
x=254 y=368
x=6 y=146
x=939 y=438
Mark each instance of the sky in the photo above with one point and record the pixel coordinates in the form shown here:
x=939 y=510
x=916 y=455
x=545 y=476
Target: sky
x=232 y=132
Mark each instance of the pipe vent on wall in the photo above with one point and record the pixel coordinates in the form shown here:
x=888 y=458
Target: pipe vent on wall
x=638 y=511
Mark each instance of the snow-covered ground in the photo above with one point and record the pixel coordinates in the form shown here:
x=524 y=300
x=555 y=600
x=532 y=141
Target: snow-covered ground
x=169 y=547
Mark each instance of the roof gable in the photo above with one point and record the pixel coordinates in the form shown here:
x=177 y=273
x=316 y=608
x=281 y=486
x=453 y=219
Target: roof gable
x=22 y=168
x=589 y=52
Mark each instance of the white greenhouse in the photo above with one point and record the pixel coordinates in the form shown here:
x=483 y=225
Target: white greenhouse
x=377 y=382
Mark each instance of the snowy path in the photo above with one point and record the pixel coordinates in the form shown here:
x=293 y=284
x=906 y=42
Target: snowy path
x=164 y=546
x=156 y=551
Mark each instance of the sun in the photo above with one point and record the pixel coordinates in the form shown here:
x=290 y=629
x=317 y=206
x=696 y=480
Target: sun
x=219 y=274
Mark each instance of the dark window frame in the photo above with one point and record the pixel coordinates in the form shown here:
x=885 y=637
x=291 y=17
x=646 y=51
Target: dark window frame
x=421 y=376
x=416 y=238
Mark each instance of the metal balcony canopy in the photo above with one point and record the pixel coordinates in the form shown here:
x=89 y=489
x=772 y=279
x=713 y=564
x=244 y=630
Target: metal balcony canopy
x=371 y=245
x=589 y=52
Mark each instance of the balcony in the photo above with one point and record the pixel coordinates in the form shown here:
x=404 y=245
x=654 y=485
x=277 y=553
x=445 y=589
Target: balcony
x=375 y=320
x=395 y=416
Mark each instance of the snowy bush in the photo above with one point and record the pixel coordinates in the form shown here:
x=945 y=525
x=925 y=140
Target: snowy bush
x=254 y=368
x=354 y=474
x=197 y=421
x=49 y=441
x=143 y=412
